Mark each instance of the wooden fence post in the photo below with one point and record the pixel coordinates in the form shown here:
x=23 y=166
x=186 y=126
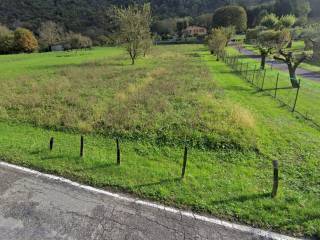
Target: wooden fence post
x=247 y=71
x=275 y=178
x=296 y=99
x=51 y=143
x=241 y=68
x=81 y=146
x=254 y=74
x=263 y=79
x=118 y=152
x=185 y=158
x=277 y=82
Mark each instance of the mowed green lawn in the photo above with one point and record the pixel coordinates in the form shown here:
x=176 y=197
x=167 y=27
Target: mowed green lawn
x=309 y=95
x=177 y=95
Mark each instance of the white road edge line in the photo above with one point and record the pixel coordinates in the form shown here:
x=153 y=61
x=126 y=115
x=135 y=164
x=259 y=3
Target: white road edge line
x=242 y=228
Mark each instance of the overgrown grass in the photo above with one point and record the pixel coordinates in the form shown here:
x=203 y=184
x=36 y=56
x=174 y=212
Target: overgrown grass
x=231 y=183
x=166 y=98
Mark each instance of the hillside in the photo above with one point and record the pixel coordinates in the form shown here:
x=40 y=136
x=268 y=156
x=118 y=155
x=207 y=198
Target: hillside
x=90 y=16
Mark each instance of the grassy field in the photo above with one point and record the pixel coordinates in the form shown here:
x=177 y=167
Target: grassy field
x=297 y=46
x=309 y=95
x=166 y=98
x=177 y=95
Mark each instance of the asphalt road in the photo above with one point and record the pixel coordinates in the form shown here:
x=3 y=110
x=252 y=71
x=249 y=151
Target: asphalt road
x=34 y=206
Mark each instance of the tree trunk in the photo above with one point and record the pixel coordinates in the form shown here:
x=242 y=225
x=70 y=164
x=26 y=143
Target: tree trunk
x=290 y=44
x=132 y=61
x=293 y=77
x=263 y=62
x=218 y=57
x=316 y=52
x=211 y=52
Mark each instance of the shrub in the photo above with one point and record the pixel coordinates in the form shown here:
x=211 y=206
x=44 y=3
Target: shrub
x=252 y=35
x=78 y=41
x=217 y=41
x=24 y=41
x=6 y=40
x=230 y=16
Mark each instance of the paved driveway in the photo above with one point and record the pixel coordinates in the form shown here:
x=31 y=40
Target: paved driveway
x=35 y=206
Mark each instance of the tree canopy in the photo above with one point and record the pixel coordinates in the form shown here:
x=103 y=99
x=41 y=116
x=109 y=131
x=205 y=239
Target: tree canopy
x=230 y=16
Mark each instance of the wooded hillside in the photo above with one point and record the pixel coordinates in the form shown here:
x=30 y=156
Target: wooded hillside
x=90 y=16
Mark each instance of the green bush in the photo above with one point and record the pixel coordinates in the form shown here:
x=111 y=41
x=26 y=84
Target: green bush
x=230 y=16
x=78 y=41
x=6 y=40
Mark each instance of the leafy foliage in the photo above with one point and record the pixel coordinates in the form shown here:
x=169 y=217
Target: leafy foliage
x=134 y=28
x=25 y=41
x=230 y=16
x=217 y=41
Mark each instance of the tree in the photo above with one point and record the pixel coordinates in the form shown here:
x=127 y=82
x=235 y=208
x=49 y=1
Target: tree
x=25 y=41
x=287 y=21
x=269 y=41
x=229 y=32
x=165 y=27
x=316 y=49
x=6 y=40
x=50 y=34
x=270 y=21
x=300 y=8
x=204 y=20
x=230 y=16
x=181 y=25
x=310 y=35
x=78 y=41
x=134 y=28
x=293 y=61
x=217 y=41
x=147 y=45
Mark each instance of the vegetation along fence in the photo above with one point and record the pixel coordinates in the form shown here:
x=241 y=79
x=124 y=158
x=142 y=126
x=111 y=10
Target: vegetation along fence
x=118 y=159
x=303 y=100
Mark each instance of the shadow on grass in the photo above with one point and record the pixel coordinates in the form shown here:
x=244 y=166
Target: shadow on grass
x=93 y=168
x=161 y=182
x=238 y=88
x=243 y=198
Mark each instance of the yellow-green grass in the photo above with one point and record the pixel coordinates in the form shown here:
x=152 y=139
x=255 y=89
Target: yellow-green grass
x=166 y=97
x=229 y=182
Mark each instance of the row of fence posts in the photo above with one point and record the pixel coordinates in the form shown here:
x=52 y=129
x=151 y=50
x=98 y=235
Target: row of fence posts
x=184 y=165
x=234 y=63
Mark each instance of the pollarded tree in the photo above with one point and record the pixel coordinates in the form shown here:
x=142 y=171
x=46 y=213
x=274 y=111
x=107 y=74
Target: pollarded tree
x=217 y=41
x=293 y=61
x=134 y=28
x=269 y=41
x=270 y=21
x=24 y=41
x=287 y=21
x=230 y=16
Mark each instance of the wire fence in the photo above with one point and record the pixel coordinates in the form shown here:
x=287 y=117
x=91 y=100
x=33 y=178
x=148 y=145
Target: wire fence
x=302 y=100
